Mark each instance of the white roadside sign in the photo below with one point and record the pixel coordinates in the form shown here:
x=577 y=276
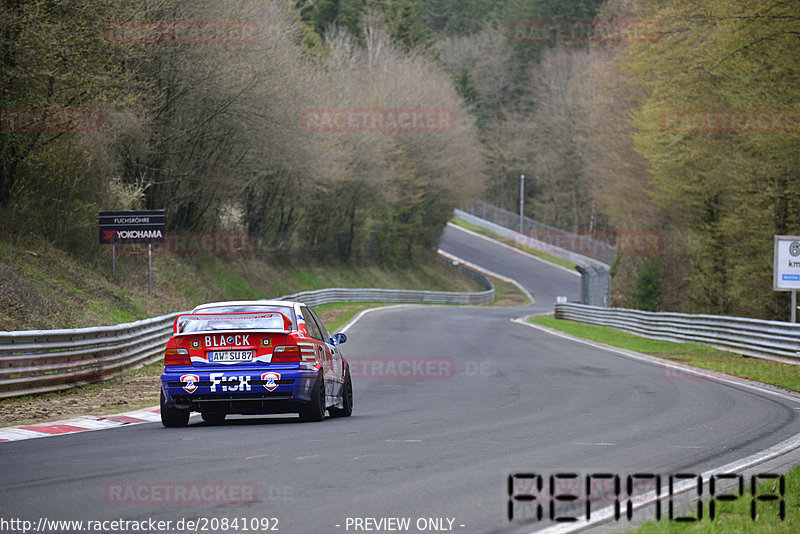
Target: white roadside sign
x=786 y=267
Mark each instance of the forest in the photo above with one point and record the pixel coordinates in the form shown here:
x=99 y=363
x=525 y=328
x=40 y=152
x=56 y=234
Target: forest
x=677 y=117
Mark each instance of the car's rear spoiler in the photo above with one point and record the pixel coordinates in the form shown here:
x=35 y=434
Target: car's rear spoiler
x=267 y=318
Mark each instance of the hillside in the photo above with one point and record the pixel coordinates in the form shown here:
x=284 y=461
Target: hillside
x=42 y=287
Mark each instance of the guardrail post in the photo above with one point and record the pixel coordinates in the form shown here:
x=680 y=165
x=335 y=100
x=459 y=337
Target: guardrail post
x=595 y=285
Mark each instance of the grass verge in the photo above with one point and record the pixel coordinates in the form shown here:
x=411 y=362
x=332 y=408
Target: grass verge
x=766 y=371
x=542 y=255
x=336 y=314
x=506 y=293
x=736 y=516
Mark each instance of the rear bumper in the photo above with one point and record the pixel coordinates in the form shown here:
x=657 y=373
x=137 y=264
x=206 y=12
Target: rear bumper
x=241 y=391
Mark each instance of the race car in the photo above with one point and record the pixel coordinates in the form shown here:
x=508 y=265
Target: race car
x=253 y=357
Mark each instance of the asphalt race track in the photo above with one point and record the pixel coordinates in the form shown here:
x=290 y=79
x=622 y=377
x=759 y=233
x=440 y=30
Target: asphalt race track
x=448 y=402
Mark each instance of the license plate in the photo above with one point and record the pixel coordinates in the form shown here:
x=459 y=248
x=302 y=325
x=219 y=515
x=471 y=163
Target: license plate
x=230 y=356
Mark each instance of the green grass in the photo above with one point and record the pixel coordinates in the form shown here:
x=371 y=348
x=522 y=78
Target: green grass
x=542 y=255
x=336 y=314
x=735 y=516
x=507 y=294
x=766 y=371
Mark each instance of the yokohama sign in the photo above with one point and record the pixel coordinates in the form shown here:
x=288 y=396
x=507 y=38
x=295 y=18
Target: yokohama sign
x=131 y=227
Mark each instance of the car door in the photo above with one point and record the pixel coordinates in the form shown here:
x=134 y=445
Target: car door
x=322 y=351
x=336 y=378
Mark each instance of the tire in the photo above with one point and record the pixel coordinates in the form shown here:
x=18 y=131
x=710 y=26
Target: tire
x=316 y=410
x=347 y=399
x=213 y=418
x=172 y=417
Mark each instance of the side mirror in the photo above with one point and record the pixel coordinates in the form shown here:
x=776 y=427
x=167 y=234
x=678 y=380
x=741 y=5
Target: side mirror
x=339 y=338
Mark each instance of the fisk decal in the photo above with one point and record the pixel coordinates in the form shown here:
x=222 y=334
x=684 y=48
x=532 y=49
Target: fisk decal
x=230 y=383
x=190 y=382
x=269 y=380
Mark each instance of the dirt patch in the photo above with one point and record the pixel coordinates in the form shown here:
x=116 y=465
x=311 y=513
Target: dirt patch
x=134 y=390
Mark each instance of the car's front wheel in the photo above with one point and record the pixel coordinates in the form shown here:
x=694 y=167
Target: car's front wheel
x=316 y=410
x=172 y=417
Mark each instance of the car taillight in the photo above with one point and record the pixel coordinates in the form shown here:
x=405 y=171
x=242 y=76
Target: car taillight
x=177 y=357
x=286 y=354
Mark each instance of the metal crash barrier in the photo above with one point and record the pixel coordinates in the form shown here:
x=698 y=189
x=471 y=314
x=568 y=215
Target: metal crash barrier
x=38 y=361
x=758 y=338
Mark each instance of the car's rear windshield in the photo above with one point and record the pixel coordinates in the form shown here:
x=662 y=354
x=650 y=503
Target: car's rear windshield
x=195 y=325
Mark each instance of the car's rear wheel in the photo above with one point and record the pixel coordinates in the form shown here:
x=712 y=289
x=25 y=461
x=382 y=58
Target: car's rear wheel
x=347 y=399
x=316 y=410
x=213 y=418
x=172 y=417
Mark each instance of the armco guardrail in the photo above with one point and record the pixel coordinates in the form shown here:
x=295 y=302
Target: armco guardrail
x=325 y=296
x=37 y=361
x=751 y=337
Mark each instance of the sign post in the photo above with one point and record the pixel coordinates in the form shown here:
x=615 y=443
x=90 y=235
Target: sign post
x=521 y=202
x=786 y=268
x=149 y=268
x=130 y=227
